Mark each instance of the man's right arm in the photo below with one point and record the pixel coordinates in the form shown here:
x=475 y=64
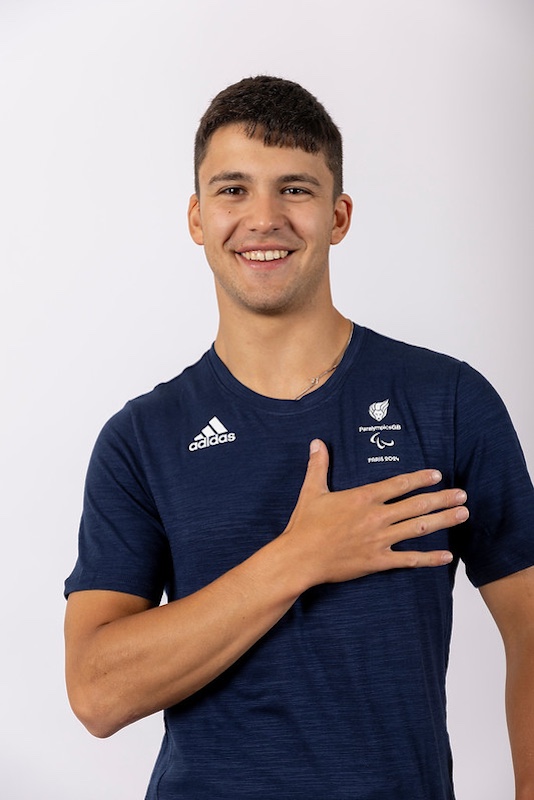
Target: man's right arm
x=126 y=660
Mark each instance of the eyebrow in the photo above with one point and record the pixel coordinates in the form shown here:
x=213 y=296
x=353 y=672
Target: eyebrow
x=222 y=177
x=299 y=177
x=294 y=177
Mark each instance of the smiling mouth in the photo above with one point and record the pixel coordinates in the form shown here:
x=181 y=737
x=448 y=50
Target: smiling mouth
x=264 y=255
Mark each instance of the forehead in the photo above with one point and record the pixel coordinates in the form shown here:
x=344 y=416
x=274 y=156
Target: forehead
x=231 y=150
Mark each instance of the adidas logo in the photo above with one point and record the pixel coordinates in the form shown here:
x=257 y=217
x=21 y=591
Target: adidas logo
x=214 y=433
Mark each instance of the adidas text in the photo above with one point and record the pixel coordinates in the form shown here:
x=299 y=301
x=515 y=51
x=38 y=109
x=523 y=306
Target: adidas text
x=210 y=441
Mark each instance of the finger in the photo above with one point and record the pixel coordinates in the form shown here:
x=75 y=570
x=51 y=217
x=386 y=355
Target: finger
x=410 y=559
x=315 y=479
x=400 y=485
x=425 y=503
x=422 y=526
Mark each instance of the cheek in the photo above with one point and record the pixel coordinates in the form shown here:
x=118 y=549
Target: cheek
x=219 y=226
x=315 y=233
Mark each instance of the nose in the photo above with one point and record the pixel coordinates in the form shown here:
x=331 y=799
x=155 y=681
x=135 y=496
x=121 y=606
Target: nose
x=264 y=213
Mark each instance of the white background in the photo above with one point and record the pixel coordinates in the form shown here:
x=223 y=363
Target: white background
x=103 y=295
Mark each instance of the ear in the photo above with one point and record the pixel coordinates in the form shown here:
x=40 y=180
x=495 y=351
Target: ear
x=342 y=217
x=193 y=218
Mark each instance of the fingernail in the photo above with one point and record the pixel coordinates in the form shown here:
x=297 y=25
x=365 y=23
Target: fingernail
x=436 y=476
x=461 y=496
x=462 y=514
x=314 y=446
x=446 y=558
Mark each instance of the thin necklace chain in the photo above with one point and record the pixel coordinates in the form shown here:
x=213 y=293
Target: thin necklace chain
x=314 y=381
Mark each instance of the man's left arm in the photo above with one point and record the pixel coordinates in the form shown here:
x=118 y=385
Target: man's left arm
x=511 y=603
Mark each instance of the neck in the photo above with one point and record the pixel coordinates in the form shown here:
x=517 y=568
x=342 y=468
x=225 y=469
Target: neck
x=282 y=356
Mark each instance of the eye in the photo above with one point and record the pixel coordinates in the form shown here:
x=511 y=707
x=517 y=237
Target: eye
x=295 y=190
x=232 y=191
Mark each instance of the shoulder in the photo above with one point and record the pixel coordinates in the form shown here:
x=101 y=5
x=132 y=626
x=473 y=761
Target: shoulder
x=150 y=414
x=427 y=375
x=408 y=356
x=405 y=353
x=410 y=361
x=170 y=392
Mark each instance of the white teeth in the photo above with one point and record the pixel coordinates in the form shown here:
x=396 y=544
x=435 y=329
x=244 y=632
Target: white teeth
x=264 y=255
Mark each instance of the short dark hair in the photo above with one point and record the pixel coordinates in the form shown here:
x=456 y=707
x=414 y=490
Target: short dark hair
x=282 y=112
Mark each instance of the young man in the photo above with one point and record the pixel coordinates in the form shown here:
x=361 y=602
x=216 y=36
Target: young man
x=299 y=494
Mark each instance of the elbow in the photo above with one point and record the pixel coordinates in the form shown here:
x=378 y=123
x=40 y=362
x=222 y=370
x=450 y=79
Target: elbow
x=99 y=727
x=96 y=713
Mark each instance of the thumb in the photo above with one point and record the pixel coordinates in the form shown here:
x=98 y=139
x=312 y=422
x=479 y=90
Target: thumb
x=317 y=471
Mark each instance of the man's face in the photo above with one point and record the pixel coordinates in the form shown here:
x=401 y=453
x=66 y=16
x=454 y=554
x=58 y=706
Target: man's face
x=266 y=217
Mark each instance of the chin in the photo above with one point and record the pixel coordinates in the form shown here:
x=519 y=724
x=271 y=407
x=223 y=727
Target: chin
x=273 y=306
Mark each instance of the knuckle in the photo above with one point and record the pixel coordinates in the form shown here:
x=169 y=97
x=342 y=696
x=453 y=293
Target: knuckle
x=424 y=503
x=364 y=494
x=445 y=499
x=402 y=484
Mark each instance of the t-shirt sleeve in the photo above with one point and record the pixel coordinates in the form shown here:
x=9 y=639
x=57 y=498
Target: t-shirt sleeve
x=122 y=543
x=498 y=538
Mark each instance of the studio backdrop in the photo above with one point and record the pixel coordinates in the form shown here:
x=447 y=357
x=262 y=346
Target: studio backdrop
x=104 y=295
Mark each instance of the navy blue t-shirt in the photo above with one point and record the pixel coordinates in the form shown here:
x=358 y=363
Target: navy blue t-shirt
x=345 y=696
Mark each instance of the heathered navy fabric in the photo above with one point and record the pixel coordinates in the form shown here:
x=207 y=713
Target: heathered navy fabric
x=345 y=697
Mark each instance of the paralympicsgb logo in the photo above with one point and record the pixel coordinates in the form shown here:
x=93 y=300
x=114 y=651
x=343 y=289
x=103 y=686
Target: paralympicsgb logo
x=381 y=437
x=379 y=410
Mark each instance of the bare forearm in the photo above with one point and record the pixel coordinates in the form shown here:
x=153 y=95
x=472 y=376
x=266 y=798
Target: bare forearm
x=147 y=661
x=511 y=602
x=520 y=714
